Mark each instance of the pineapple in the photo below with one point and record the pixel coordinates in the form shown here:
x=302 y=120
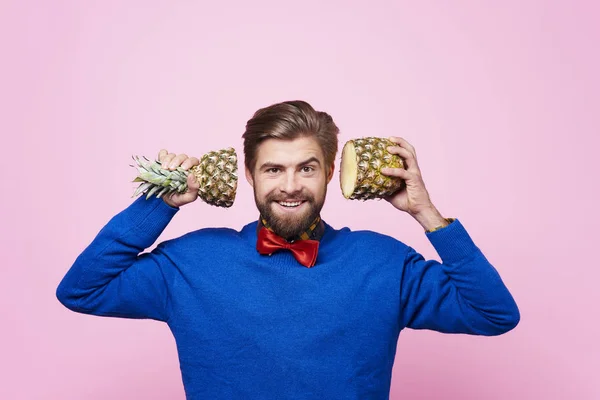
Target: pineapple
x=216 y=173
x=362 y=160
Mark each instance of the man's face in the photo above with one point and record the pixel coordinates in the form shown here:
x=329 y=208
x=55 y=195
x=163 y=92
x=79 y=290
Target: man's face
x=290 y=182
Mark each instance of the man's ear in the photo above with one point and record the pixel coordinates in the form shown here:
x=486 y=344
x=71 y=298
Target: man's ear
x=249 y=177
x=330 y=173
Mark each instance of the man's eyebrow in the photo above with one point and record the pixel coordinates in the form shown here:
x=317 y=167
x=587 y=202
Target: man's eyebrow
x=269 y=164
x=310 y=160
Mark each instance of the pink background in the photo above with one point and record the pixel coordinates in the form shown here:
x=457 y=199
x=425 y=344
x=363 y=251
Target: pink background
x=500 y=99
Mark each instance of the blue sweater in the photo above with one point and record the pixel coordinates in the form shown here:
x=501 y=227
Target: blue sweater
x=249 y=326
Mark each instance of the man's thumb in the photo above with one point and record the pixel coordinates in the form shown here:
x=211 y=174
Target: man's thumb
x=192 y=182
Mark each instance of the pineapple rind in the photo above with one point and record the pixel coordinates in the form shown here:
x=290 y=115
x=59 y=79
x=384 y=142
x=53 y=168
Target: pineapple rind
x=217 y=174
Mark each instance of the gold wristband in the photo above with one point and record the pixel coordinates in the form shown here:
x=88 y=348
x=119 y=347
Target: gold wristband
x=449 y=220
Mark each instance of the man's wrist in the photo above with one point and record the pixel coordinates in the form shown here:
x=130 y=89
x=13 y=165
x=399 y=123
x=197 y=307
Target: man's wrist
x=167 y=202
x=431 y=219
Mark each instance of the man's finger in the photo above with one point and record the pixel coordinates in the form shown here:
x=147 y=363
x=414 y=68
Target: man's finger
x=162 y=153
x=397 y=172
x=166 y=160
x=404 y=143
x=410 y=161
x=176 y=162
x=190 y=162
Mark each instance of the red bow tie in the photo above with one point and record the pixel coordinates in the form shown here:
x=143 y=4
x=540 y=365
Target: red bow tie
x=305 y=251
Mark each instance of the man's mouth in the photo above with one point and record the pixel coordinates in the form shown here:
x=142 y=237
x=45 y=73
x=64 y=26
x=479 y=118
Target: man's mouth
x=290 y=204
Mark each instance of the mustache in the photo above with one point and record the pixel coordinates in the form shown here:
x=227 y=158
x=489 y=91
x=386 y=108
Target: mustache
x=298 y=197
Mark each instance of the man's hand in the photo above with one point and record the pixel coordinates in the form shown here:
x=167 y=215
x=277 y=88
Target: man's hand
x=413 y=198
x=171 y=161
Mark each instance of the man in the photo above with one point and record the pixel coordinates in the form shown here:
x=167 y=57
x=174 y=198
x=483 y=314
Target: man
x=289 y=307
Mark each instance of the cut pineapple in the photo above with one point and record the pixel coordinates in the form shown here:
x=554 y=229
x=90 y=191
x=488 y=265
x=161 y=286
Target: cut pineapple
x=360 y=169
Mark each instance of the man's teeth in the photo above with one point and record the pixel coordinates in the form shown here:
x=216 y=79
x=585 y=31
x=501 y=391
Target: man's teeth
x=290 y=203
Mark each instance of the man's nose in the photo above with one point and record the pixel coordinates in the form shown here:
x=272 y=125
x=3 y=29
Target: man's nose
x=290 y=183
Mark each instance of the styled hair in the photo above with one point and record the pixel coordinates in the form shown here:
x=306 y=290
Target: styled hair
x=287 y=121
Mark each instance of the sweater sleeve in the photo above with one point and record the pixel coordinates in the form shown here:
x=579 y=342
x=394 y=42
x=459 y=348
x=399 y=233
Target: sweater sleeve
x=463 y=294
x=111 y=278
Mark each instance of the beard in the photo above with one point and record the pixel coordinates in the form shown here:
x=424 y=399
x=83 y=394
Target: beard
x=290 y=227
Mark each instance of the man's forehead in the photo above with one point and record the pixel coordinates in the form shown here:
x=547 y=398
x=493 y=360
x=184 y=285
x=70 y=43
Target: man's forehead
x=289 y=151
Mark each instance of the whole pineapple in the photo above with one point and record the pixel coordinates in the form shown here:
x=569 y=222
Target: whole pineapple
x=362 y=160
x=216 y=174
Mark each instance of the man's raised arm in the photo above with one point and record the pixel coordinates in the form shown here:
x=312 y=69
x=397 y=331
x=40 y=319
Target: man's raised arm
x=112 y=276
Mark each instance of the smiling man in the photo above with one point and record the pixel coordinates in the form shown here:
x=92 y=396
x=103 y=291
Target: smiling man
x=289 y=307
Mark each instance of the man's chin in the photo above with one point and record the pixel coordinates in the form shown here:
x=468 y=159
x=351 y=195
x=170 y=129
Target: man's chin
x=289 y=218
x=284 y=220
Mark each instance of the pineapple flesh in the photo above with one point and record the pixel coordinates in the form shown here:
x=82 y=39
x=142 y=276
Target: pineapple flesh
x=216 y=174
x=360 y=176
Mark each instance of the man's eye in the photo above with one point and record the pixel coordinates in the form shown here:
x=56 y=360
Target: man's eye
x=307 y=169
x=273 y=170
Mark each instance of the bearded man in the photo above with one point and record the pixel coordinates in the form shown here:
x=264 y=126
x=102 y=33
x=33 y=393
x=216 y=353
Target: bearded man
x=289 y=307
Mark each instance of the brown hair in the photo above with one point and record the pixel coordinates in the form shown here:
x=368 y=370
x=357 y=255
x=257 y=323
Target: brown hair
x=289 y=120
